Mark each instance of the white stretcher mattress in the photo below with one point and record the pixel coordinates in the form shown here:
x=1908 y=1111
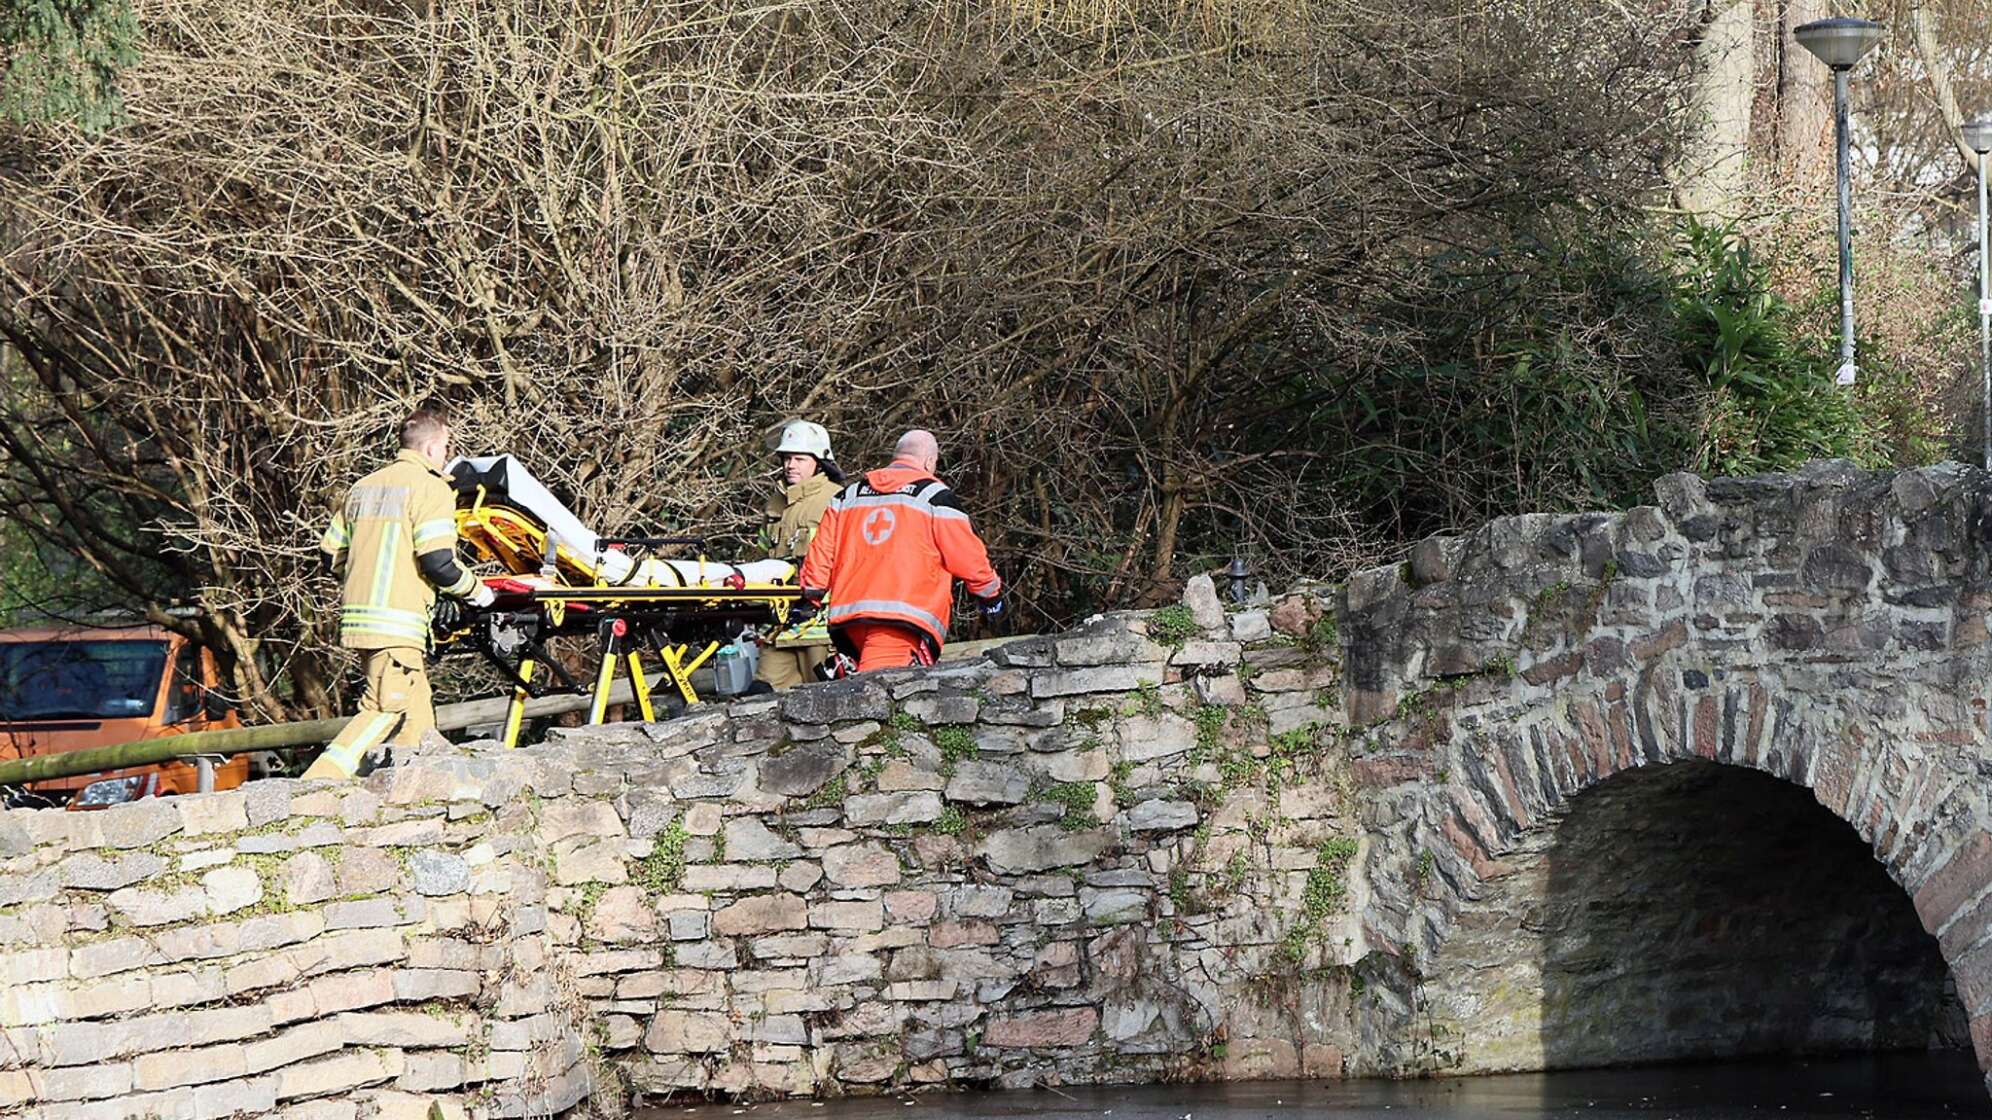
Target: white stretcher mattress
x=614 y=565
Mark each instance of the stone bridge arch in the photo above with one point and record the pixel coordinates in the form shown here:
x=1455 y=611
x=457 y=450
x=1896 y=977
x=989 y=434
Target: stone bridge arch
x=1826 y=629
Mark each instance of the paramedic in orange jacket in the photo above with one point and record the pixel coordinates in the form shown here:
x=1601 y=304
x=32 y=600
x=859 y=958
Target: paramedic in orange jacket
x=886 y=554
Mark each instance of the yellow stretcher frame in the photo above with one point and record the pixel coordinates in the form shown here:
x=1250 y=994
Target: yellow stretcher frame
x=504 y=536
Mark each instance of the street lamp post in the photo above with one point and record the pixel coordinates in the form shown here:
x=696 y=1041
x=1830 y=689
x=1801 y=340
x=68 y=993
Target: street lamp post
x=1978 y=137
x=1840 y=43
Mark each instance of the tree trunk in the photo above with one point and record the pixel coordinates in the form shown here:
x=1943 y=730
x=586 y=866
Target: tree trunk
x=1937 y=68
x=1800 y=114
x=1709 y=178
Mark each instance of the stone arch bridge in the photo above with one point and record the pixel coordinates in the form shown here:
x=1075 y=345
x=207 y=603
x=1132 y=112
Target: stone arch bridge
x=1704 y=778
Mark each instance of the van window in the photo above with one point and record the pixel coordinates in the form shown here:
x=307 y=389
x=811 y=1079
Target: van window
x=183 y=699
x=80 y=680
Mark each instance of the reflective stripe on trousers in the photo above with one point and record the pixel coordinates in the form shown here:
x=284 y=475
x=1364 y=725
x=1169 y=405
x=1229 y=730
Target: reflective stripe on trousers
x=394 y=707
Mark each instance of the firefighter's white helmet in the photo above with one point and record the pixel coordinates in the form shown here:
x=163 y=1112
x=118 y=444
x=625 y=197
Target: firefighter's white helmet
x=801 y=437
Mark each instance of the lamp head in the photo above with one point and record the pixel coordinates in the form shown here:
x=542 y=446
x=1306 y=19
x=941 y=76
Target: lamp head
x=1978 y=134
x=1838 y=42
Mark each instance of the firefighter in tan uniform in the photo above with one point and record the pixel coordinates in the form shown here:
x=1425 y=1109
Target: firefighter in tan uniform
x=396 y=541
x=810 y=478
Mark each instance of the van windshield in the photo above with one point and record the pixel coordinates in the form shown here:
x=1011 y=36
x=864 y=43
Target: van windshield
x=79 y=680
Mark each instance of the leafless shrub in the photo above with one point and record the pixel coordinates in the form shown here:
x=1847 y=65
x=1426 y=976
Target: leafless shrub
x=1102 y=247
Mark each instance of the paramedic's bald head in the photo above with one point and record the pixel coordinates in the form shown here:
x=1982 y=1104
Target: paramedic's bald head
x=919 y=447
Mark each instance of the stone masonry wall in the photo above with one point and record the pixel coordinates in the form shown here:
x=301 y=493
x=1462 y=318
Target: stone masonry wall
x=1108 y=855
x=1827 y=628
x=1187 y=844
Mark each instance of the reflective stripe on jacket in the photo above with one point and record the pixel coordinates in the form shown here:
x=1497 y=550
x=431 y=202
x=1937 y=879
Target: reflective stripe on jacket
x=389 y=518
x=888 y=549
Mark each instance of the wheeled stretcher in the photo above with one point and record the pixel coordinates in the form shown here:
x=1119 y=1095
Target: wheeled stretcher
x=556 y=577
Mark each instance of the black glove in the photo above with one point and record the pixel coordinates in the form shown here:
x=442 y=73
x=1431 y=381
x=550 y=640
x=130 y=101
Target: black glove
x=992 y=607
x=447 y=616
x=801 y=612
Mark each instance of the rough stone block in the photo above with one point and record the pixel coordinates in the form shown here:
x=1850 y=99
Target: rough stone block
x=105 y=958
x=750 y=840
x=689 y=925
x=848 y=968
x=418 y=833
x=174 y=1068
x=1111 y=907
x=687 y=1032
x=800 y=876
x=1207 y=654
x=899 y=775
x=139 y=824
x=98 y=1082
x=789 y=946
x=15 y=840
x=428 y=1073
x=204 y=814
x=1070 y=1027
x=944 y=708
x=706 y=954
x=343 y=1073
x=249 y=1096
x=421 y=984
x=1294 y=615
x=1104 y=678
x=702 y=820
x=858 y=698
x=955 y=935
x=354 y=949
x=439 y=873
x=600 y=861
x=406 y=1030
x=922 y=991
x=728 y=877
x=365 y=871
x=1147 y=737
x=622 y=914
x=319 y=834
x=911 y=907
x=1161 y=816
x=861 y=865
x=802 y=770
x=231 y=888
x=762 y=914
x=978 y=900
x=373 y=913
x=1251 y=626
x=988 y=783
x=1040 y=848
x=308 y=878
x=778 y=1029
x=34 y=965
x=16 y=890
x=861 y=917
x=893 y=808
x=92 y=872
x=850 y=733
x=1200 y=595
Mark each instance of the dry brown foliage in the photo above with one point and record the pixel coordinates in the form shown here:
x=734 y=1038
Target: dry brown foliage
x=1095 y=245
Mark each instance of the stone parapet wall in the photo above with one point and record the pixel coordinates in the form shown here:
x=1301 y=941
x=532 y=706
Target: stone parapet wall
x=1111 y=855
x=1186 y=844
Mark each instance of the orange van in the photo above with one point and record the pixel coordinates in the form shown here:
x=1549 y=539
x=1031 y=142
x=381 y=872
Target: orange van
x=65 y=688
